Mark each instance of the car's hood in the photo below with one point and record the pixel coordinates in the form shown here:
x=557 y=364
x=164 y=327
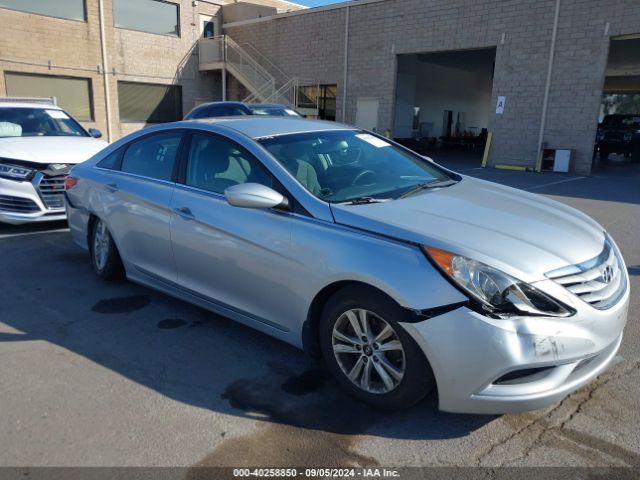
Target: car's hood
x=518 y=232
x=50 y=149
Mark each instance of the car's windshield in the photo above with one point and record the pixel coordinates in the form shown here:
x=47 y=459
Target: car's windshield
x=345 y=165
x=38 y=122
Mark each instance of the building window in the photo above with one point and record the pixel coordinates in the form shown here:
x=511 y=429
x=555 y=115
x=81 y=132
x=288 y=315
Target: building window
x=325 y=96
x=151 y=16
x=67 y=9
x=149 y=103
x=208 y=29
x=71 y=93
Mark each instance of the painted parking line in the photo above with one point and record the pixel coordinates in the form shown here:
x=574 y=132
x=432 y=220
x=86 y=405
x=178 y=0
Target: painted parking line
x=25 y=234
x=536 y=187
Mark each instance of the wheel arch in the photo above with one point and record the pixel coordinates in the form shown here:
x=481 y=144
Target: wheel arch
x=310 y=333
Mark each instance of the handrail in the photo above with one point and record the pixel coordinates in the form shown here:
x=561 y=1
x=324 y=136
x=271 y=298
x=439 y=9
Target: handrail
x=262 y=85
x=234 y=46
x=263 y=92
x=292 y=82
x=269 y=61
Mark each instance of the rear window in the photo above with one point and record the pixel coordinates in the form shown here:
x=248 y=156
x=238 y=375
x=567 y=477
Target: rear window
x=218 y=111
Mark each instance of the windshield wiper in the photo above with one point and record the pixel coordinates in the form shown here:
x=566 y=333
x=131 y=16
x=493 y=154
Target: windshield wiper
x=428 y=185
x=363 y=201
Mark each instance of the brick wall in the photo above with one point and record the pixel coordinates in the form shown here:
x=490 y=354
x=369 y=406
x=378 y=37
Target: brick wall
x=33 y=43
x=312 y=44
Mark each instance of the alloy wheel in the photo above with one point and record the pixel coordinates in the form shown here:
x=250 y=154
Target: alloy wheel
x=368 y=351
x=100 y=245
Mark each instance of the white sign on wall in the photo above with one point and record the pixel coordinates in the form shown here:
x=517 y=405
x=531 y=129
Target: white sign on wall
x=500 y=105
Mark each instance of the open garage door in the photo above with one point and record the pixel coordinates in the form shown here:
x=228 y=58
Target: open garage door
x=618 y=137
x=443 y=104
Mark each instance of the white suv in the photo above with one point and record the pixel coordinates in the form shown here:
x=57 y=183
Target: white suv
x=39 y=143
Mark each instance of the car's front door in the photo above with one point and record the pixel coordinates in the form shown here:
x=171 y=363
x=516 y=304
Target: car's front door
x=140 y=216
x=237 y=258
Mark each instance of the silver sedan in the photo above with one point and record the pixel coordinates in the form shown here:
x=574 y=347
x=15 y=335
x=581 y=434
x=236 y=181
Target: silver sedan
x=405 y=277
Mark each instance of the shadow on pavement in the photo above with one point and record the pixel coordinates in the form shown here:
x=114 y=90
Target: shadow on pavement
x=191 y=355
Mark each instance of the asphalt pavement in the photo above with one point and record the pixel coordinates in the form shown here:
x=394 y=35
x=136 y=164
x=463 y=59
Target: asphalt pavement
x=103 y=374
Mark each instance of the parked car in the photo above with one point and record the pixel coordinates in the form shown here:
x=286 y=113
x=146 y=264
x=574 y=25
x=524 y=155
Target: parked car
x=619 y=134
x=230 y=109
x=404 y=276
x=38 y=145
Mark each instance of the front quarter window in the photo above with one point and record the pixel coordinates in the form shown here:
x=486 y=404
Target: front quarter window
x=347 y=165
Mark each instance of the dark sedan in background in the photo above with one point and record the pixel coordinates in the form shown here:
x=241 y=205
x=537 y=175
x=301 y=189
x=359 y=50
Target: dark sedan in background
x=232 y=109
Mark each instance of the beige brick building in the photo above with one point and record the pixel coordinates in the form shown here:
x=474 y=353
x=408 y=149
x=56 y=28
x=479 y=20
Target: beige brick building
x=34 y=41
x=434 y=68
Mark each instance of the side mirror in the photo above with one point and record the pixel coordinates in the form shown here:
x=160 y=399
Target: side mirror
x=255 y=195
x=95 y=133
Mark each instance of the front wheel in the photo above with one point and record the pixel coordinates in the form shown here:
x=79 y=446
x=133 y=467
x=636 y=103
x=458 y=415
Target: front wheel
x=104 y=254
x=370 y=354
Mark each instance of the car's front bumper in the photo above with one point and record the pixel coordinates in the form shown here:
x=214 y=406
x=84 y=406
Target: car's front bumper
x=23 y=202
x=470 y=354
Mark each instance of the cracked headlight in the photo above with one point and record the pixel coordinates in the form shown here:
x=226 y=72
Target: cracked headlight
x=495 y=291
x=15 y=172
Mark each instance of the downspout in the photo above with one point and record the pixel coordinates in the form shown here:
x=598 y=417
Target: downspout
x=346 y=65
x=224 y=68
x=547 y=87
x=105 y=80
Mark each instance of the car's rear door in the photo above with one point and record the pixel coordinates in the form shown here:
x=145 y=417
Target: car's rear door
x=139 y=215
x=237 y=258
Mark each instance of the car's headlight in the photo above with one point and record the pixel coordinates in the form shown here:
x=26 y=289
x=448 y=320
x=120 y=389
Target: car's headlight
x=15 y=172
x=495 y=291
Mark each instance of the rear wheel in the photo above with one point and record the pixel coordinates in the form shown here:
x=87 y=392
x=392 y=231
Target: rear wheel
x=370 y=354
x=604 y=155
x=104 y=254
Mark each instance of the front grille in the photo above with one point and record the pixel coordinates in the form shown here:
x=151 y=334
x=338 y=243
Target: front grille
x=52 y=192
x=600 y=281
x=17 y=204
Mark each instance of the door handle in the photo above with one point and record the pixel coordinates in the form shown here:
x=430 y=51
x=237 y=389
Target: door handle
x=112 y=187
x=184 y=212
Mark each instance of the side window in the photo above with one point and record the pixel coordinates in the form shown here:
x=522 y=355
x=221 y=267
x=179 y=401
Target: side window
x=111 y=161
x=215 y=164
x=152 y=156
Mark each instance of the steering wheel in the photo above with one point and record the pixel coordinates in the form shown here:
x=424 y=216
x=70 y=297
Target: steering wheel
x=361 y=175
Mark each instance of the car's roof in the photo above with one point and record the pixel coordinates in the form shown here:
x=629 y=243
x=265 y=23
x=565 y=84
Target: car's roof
x=257 y=127
x=48 y=106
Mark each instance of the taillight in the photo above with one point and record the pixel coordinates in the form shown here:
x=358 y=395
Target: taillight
x=70 y=182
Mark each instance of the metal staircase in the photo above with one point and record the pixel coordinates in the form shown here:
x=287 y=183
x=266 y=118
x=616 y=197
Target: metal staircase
x=264 y=85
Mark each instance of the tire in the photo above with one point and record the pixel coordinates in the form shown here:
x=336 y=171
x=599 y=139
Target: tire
x=337 y=328
x=103 y=252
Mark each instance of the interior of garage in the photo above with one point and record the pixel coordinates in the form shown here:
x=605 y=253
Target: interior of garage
x=618 y=137
x=443 y=102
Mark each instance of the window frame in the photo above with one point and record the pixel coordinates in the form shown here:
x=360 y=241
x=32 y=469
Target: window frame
x=121 y=151
x=165 y=85
x=181 y=178
x=170 y=35
x=296 y=207
x=92 y=116
x=83 y=20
